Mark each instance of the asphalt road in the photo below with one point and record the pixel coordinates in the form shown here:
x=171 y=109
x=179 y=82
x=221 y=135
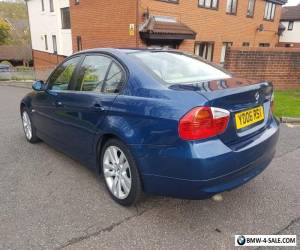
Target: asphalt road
x=49 y=201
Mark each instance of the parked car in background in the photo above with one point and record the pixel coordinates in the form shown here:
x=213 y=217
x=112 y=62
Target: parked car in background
x=156 y=121
x=4 y=67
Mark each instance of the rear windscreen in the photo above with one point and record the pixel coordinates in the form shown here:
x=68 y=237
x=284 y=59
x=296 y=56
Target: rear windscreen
x=176 y=68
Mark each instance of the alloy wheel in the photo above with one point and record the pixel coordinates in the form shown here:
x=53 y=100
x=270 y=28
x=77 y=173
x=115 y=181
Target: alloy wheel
x=27 y=125
x=117 y=173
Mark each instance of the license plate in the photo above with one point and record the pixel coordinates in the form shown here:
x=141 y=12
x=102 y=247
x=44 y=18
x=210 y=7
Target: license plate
x=248 y=117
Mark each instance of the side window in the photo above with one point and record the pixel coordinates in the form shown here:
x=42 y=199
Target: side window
x=114 y=79
x=62 y=76
x=92 y=73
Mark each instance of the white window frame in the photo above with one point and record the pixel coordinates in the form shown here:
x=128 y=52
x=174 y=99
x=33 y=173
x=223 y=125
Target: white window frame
x=170 y=1
x=291 y=25
x=46 y=42
x=231 y=7
x=270 y=9
x=208 y=4
x=251 y=8
x=51 y=6
x=43 y=5
x=54 y=44
x=225 y=46
x=65 y=25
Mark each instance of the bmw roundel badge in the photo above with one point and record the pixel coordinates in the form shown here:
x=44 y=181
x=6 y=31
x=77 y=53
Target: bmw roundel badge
x=241 y=240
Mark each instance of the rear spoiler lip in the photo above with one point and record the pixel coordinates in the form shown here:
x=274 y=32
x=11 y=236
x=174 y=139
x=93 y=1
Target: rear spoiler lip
x=239 y=88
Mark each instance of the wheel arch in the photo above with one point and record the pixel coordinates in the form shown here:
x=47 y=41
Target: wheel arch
x=22 y=106
x=26 y=102
x=99 y=146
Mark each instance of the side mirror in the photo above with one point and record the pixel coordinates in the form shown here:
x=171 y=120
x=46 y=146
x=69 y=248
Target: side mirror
x=39 y=86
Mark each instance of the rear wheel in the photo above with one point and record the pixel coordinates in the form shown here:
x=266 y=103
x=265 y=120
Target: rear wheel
x=28 y=127
x=120 y=173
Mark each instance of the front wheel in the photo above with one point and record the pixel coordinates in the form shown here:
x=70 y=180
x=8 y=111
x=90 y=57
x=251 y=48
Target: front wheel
x=29 y=129
x=120 y=173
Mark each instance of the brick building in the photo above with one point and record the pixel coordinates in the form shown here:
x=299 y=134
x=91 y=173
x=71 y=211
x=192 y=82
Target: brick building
x=204 y=27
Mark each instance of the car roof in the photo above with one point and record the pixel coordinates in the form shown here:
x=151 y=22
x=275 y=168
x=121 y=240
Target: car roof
x=125 y=50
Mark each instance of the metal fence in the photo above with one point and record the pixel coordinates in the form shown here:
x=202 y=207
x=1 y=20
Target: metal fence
x=17 y=74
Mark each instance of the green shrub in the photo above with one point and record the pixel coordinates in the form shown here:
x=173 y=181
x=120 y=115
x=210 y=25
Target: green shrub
x=7 y=63
x=23 y=68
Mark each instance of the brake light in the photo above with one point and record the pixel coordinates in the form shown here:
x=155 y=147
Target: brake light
x=202 y=123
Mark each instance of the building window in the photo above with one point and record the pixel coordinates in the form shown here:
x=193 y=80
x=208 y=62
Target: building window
x=270 y=11
x=209 y=4
x=54 y=44
x=251 y=7
x=291 y=25
x=169 y=1
x=51 y=5
x=264 y=45
x=225 y=46
x=205 y=50
x=46 y=42
x=79 y=43
x=65 y=18
x=246 y=44
x=43 y=5
x=162 y=45
x=231 y=7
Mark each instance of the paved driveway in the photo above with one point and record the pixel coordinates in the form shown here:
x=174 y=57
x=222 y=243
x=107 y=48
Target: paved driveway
x=49 y=201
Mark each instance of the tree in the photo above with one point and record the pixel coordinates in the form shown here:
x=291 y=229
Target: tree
x=4 y=32
x=15 y=10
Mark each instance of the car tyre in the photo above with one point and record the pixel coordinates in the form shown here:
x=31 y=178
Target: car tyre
x=28 y=127
x=121 y=175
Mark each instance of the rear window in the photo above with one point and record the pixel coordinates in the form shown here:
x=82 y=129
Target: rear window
x=175 y=68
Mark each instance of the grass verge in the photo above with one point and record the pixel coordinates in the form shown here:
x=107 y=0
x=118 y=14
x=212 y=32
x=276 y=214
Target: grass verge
x=287 y=103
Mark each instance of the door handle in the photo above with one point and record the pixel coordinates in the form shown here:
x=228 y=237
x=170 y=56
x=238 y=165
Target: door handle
x=98 y=107
x=58 y=104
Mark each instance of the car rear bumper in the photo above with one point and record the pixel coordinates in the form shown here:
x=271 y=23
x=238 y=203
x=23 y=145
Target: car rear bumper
x=198 y=170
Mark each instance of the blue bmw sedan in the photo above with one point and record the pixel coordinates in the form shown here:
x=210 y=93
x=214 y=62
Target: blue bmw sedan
x=159 y=122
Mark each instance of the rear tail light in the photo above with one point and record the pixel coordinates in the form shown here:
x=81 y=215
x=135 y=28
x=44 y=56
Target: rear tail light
x=202 y=123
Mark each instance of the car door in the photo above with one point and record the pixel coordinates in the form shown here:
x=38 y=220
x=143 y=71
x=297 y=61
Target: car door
x=84 y=107
x=47 y=104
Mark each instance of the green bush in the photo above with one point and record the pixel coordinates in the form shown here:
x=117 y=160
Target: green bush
x=7 y=63
x=23 y=68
